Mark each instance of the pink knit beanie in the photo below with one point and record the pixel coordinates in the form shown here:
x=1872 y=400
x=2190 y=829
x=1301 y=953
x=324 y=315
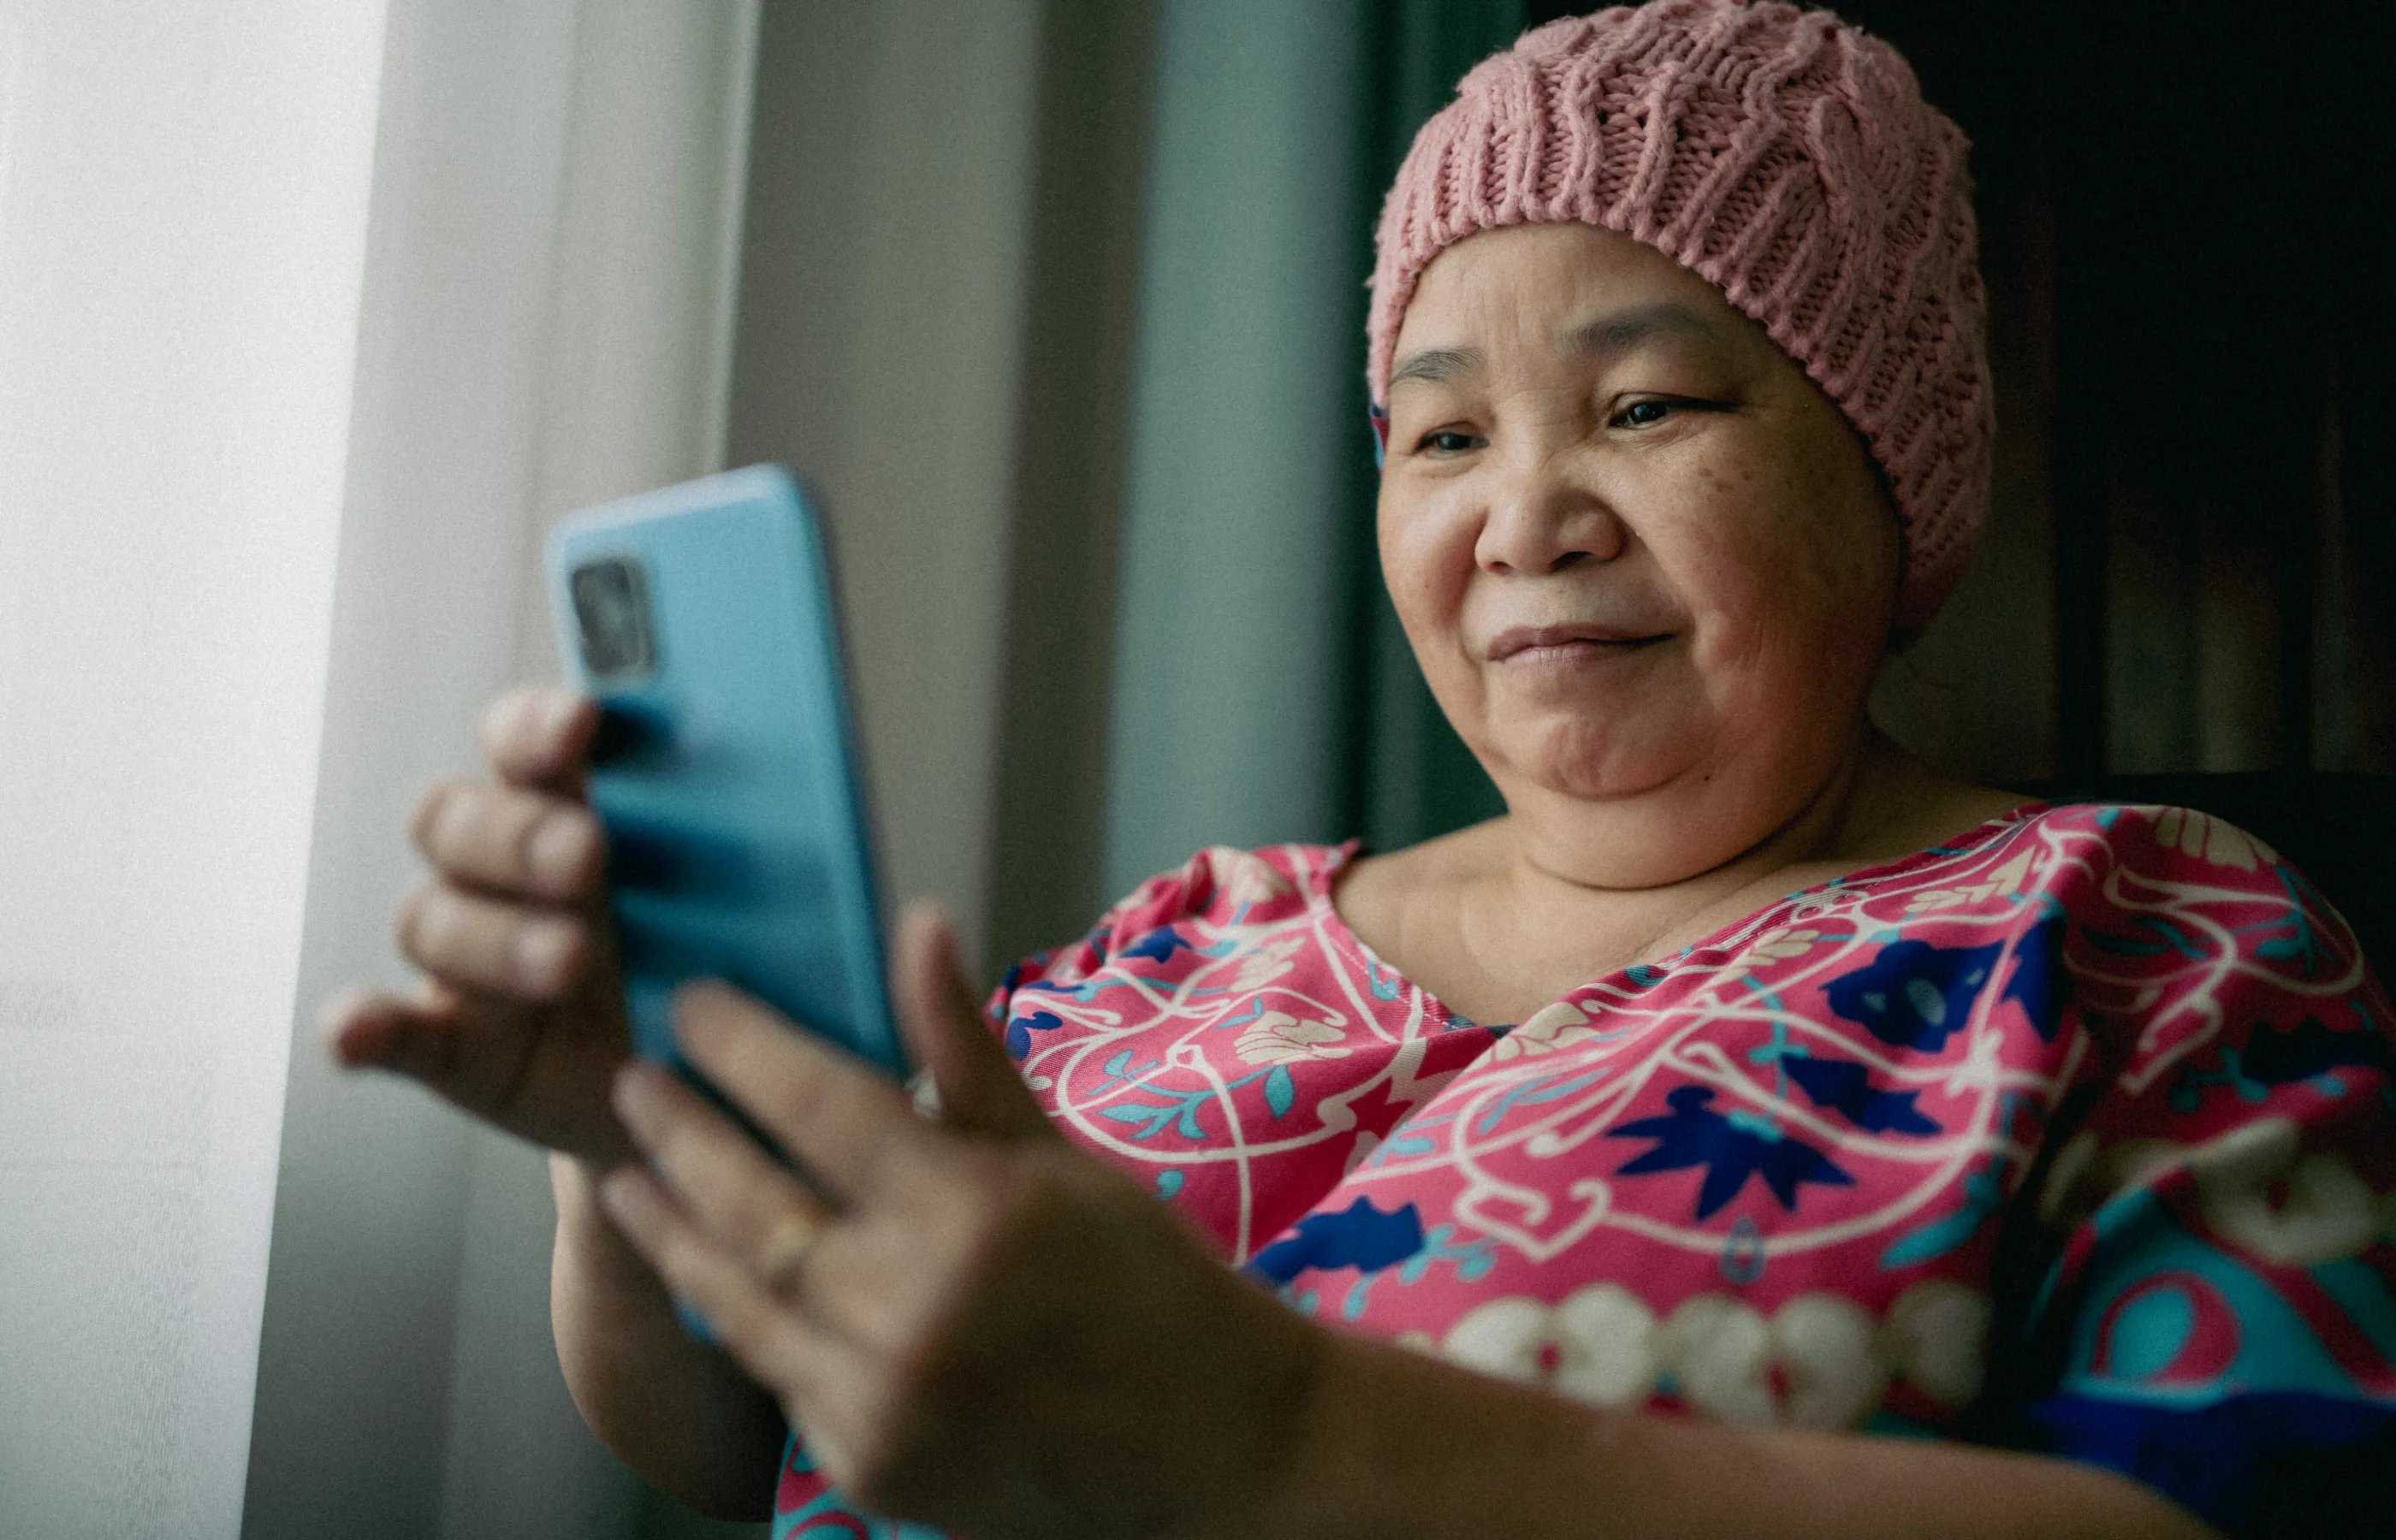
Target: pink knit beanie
x=1783 y=156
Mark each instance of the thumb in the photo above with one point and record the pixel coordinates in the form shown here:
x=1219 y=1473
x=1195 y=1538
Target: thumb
x=979 y=1088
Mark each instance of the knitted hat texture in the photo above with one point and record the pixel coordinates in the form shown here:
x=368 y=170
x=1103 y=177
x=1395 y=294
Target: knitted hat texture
x=1783 y=156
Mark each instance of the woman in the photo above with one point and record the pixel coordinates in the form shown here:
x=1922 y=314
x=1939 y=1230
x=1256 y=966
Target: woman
x=1836 y=1098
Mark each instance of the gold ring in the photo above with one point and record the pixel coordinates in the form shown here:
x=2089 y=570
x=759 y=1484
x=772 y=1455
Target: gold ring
x=793 y=1234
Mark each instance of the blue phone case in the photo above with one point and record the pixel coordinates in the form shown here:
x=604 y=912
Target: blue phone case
x=701 y=618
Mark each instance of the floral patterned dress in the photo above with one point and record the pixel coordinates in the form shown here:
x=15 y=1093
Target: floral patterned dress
x=2072 y=1134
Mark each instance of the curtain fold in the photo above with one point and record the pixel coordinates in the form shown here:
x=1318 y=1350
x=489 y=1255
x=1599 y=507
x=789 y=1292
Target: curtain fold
x=1404 y=775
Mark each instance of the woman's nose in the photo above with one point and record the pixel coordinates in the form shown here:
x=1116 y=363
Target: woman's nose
x=1541 y=519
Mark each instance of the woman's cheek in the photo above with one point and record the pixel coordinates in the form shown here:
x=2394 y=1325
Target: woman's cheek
x=1426 y=560
x=1775 y=568
x=1838 y=531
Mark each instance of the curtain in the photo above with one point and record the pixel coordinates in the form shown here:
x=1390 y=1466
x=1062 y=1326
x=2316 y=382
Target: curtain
x=1404 y=775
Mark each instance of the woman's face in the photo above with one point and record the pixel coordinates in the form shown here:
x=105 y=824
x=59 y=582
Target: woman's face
x=1638 y=554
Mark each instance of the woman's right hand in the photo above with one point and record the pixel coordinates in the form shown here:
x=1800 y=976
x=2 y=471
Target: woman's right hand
x=522 y=1020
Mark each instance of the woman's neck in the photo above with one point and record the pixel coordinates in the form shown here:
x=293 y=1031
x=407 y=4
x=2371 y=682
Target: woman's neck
x=1495 y=924
x=1700 y=832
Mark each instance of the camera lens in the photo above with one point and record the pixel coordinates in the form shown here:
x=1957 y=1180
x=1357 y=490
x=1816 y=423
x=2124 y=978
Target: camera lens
x=611 y=605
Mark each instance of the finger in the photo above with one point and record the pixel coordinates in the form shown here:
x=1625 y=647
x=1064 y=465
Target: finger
x=486 y=1056
x=979 y=1088
x=512 y=840
x=370 y=1029
x=489 y=946
x=837 y=1116
x=539 y=735
x=772 y=1342
x=741 y=1200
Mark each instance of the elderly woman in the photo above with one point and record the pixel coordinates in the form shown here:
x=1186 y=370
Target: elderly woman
x=1752 y=1131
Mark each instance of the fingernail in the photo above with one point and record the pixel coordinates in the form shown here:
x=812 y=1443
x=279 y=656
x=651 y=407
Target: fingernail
x=541 y=953
x=558 y=850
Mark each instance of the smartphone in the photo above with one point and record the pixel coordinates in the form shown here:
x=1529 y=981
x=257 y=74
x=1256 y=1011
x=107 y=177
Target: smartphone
x=700 y=618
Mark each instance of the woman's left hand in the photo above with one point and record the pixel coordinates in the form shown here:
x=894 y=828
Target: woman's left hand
x=968 y=1322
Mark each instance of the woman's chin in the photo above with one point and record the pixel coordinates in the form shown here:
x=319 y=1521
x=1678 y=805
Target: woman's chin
x=1605 y=784
x=1616 y=762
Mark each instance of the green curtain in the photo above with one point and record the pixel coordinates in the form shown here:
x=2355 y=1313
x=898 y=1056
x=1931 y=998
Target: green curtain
x=1227 y=715
x=1260 y=688
x=1404 y=776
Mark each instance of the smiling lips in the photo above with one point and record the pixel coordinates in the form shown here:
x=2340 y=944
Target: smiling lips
x=1535 y=643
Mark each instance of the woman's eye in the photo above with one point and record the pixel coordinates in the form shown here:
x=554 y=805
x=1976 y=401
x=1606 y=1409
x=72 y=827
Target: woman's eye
x=1643 y=414
x=1450 y=440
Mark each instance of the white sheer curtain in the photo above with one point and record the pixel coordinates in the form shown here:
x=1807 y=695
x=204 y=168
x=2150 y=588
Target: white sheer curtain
x=546 y=323
x=183 y=199
x=310 y=316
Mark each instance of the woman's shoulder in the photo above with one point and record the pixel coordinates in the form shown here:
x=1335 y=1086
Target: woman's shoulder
x=1225 y=885
x=2137 y=888
x=1219 y=887
x=2141 y=897
x=2150 y=840
x=2181 y=837
x=2085 y=859
x=1938 y=819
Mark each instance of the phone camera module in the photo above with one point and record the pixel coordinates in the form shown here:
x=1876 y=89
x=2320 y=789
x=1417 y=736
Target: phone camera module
x=611 y=605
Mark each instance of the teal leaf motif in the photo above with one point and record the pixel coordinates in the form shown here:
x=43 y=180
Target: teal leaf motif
x=2169 y=937
x=2303 y=943
x=1471 y=1259
x=1256 y=1008
x=1120 y=1070
x=1531 y=1093
x=1407 y=1144
x=1982 y=1197
x=1150 y=1113
x=1180 y=1110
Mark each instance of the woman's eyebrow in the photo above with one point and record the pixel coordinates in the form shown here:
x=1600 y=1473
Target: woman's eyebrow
x=1437 y=366
x=1602 y=338
x=1609 y=335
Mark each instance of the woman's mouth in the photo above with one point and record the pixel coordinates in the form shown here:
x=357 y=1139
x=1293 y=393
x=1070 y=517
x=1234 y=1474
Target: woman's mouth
x=1556 y=644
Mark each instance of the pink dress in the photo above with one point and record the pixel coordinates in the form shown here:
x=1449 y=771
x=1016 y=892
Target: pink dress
x=2070 y=1135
